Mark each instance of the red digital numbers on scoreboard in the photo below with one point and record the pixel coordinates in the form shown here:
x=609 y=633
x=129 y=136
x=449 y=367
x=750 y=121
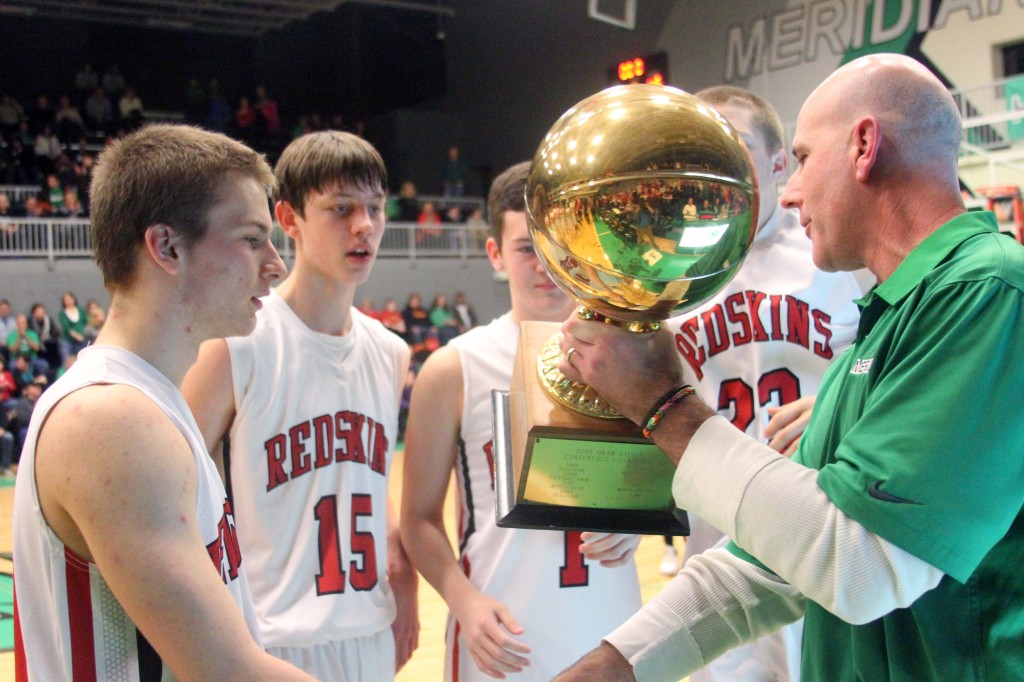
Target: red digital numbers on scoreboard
x=631 y=68
x=650 y=69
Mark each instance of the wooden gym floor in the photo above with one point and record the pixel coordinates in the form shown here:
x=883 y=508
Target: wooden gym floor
x=427 y=663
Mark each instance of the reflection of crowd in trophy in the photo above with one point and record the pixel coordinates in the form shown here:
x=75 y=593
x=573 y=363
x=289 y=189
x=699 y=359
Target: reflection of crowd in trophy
x=646 y=209
x=564 y=219
x=656 y=206
x=609 y=238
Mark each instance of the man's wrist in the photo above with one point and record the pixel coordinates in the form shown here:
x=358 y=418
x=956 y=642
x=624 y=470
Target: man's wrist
x=603 y=663
x=664 y=404
x=679 y=423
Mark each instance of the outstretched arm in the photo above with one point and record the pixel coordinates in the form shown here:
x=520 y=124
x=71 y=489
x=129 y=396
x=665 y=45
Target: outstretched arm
x=602 y=663
x=115 y=490
x=430 y=446
x=716 y=602
x=742 y=487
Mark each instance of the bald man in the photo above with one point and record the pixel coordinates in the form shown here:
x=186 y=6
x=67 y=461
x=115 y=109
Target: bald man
x=897 y=528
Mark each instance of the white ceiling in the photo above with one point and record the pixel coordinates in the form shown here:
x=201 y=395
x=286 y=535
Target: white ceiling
x=230 y=17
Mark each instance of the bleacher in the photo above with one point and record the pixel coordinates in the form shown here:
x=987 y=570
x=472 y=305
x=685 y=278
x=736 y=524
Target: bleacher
x=60 y=238
x=18 y=193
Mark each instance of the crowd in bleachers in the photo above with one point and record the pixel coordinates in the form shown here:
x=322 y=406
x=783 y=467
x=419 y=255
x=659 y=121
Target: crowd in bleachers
x=52 y=142
x=50 y=146
x=424 y=329
x=48 y=151
x=37 y=347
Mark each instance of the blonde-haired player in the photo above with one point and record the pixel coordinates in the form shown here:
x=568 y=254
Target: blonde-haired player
x=126 y=560
x=522 y=601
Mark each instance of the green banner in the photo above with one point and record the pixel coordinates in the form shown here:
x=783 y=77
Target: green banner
x=894 y=13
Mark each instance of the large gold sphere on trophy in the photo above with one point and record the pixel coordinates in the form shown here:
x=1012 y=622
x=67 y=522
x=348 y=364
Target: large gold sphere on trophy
x=642 y=203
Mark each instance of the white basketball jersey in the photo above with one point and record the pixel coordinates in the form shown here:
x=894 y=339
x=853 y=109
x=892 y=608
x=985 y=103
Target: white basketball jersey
x=565 y=603
x=310 y=451
x=71 y=625
x=765 y=340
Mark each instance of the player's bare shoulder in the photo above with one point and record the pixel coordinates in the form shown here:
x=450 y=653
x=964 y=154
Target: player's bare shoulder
x=441 y=373
x=435 y=409
x=107 y=450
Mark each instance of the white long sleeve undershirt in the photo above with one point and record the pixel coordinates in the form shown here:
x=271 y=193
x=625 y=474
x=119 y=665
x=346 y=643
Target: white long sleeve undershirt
x=774 y=509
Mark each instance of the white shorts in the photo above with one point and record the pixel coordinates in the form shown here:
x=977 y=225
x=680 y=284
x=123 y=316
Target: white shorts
x=363 y=659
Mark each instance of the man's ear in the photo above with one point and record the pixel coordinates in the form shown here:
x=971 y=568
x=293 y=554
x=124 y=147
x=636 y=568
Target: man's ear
x=494 y=254
x=164 y=246
x=866 y=146
x=287 y=218
x=778 y=163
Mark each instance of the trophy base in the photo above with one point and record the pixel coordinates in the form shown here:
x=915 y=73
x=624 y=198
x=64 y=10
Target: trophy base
x=557 y=469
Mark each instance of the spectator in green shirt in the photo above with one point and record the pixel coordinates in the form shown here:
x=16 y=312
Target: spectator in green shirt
x=73 y=320
x=24 y=342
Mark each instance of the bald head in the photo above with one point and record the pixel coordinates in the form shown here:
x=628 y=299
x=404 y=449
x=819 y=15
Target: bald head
x=877 y=147
x=916 y=112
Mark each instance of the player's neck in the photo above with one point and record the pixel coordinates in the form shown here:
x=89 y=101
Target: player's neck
x=324 y=306
x=160 y=336
x=519 y=314
x=765 y=220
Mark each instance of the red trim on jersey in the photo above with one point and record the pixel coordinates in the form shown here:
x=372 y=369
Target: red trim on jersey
x=83 y=645
x=20 y=662
x=455 y=653
x=460 y=523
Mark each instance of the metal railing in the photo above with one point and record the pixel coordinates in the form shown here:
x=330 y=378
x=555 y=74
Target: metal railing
x=411 y=241
x=466 y=203
x=986 y=112
x=48 y=238
x=58 y=238
x=18 y=193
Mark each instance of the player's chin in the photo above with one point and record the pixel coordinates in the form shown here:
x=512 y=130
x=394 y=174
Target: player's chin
x=358 y=271
x=550 y=295
x=245 y=326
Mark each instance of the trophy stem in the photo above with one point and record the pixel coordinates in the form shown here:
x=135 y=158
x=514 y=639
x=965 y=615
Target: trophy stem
x=574 y=395
x=640 y=327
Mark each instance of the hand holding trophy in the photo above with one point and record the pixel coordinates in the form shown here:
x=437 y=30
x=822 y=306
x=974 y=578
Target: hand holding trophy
x=607 y=204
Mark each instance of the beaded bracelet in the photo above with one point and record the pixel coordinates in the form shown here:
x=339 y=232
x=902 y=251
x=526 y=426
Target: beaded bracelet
x=663 y=406
x=658 y=403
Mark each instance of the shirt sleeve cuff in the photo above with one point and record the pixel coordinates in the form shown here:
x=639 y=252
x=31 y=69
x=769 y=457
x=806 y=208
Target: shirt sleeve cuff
x=662 y=657
x=716 y=469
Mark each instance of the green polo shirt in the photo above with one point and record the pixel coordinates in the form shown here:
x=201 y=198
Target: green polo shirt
x=918 y=435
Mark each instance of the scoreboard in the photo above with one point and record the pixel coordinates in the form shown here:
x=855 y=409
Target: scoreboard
x=651 y=68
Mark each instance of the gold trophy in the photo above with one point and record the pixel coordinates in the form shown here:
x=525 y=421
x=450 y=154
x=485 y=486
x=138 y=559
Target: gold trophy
x=642 y=203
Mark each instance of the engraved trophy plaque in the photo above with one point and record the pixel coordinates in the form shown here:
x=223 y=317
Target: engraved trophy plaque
x=607 y=205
